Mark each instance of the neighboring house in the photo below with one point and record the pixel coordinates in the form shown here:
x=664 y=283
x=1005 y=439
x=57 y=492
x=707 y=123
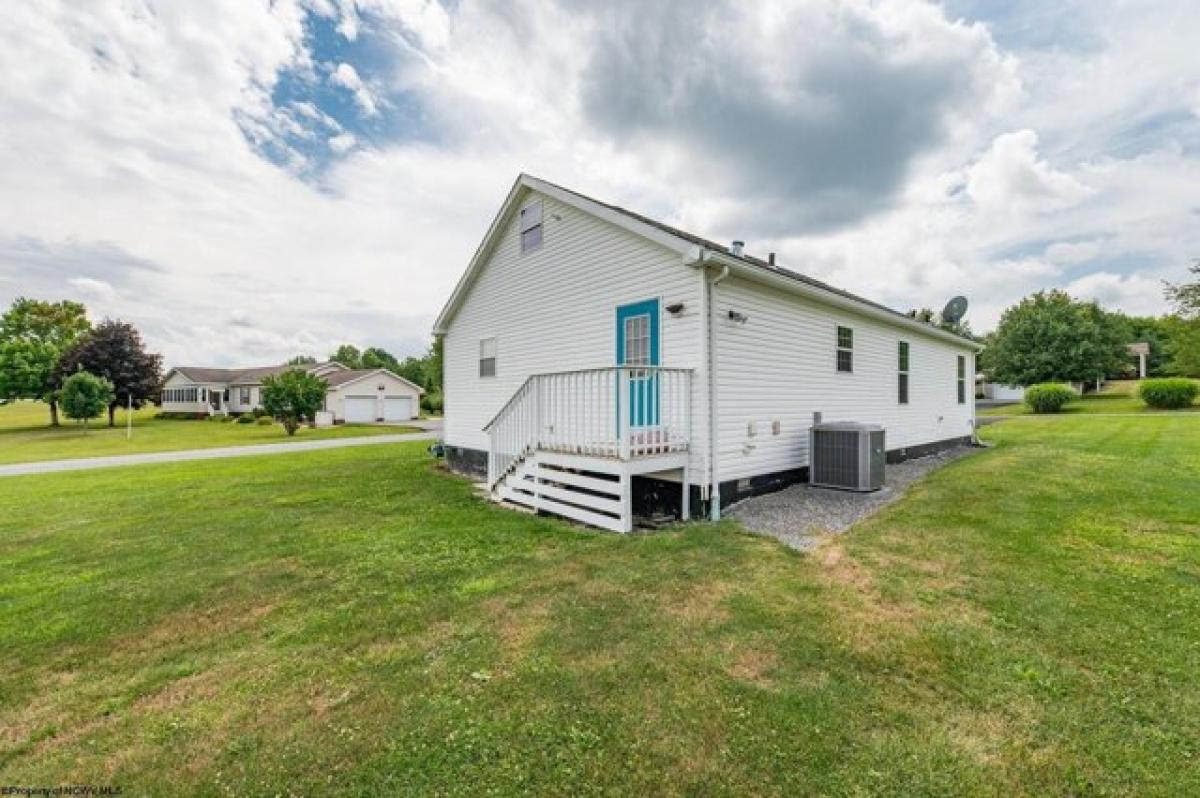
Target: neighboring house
x=355 y=395
x=998 y=392
x=599 y=363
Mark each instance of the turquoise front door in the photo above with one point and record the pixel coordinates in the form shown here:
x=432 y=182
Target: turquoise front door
x=637 y=347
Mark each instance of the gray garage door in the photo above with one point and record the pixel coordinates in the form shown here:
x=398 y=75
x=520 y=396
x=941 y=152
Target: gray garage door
x=360 y=409
x=398 y=408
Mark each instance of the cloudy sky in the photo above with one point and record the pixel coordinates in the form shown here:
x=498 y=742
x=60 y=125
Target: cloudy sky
x=247 y=180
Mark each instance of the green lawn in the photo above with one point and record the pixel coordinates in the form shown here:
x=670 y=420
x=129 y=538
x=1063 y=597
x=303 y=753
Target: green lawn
x=25 y=434
x=1024 y=622
x=1118 y=396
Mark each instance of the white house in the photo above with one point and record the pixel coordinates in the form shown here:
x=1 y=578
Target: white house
x=599 y=363
x=354 y=395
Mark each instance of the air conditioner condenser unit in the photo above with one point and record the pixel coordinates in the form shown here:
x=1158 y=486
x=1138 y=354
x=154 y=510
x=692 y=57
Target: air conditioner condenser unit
x=846 y=455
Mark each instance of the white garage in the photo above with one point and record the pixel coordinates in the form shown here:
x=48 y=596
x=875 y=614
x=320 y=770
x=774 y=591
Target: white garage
x=360 y=409
x=364 y=396
x=399 y=408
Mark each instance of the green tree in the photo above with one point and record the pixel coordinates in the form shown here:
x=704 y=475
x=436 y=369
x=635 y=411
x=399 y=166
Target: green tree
x=293 y=397
x=1186 y=296
x=433 y=366
x=1183 y=328
x=374 y=357
x=302 y=360
x=1152 y=330
x=1050 y=337
x=348 y=355
x=1183 y=346
x=961 y=327
x=85 y=396
x=114 y=350
x=33 y=336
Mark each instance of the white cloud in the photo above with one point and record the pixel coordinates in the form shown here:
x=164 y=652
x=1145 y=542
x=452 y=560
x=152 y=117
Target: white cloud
x=1132 y=293
x=342 y=142
x=347 y=77
x=1010 y=176
x=1067 y=252
x=94 y=289
x=881 y=146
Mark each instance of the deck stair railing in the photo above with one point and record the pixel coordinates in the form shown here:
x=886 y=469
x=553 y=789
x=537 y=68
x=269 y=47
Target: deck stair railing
x=616 y=412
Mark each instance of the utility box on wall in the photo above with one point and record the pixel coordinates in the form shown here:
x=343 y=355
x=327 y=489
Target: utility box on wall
x=847 y=455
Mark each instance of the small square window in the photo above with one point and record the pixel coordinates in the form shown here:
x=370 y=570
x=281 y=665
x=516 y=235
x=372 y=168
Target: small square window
x=487 y=357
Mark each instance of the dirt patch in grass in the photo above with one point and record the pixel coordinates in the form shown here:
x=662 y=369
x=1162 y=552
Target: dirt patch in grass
x=754 y=666
x=701 y=604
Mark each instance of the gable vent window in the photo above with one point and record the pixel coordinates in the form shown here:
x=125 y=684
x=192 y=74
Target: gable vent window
x=531 y=226
x=962 y=380
x=902 y=368
x=845 y=349
x=487 y=357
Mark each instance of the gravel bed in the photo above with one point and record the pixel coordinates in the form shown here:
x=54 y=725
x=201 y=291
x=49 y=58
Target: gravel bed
x=800 y=516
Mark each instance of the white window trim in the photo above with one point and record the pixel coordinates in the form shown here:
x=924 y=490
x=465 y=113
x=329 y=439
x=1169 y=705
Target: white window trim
x=906 y=370
x=495 y=358
x=526 y=221
x=838 y=348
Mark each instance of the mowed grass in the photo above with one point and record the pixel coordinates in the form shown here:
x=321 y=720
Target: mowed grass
x=1026 y=621
x=26 y=434
x=1118 y=396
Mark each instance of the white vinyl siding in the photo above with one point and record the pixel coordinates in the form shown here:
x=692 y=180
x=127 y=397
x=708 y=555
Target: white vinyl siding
x=776 y=367
x=554 y=309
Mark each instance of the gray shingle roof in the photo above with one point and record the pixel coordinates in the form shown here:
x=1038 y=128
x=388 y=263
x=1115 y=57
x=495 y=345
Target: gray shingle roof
x=248 y=376
x=757 y=262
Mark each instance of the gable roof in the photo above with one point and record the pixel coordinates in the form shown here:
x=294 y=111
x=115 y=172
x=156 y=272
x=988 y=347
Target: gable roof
x=692 y=248
x=337 y=379
x=247 y=376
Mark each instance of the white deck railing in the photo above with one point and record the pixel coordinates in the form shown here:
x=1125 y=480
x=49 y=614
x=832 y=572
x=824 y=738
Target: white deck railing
x=616 y=412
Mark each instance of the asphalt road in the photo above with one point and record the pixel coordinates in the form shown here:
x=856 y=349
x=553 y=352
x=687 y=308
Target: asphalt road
x=218 y=453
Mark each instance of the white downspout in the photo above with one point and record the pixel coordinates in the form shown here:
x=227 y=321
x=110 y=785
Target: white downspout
x=714 y=491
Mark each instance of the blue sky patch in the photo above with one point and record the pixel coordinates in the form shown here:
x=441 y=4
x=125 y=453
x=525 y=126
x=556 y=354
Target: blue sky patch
x=319 y=117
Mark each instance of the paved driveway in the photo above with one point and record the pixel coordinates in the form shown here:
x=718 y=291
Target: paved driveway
x=85 y=463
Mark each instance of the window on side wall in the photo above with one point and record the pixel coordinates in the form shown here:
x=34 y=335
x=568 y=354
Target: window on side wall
x=531 y=226
x=845 y=349
x=962 y=380
x=902 y=373
x=487 y=357
x=244 y=396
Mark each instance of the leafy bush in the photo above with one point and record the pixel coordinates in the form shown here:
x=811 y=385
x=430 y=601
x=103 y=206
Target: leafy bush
x=177 y=416
x=85 y=396
x=432 y=403
x=1048 y=397
x=245 y=418
x=265 y=421
x=259 y=412
x=1169 y=393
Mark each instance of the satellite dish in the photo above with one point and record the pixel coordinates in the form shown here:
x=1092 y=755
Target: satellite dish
x=955 y=309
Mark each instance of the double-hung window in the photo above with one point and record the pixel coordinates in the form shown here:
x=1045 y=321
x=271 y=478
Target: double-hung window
x=845 y=349
x=244 y=396
x=902 y=373
x=531 y=226
x=487 y=357
x=962 y=380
